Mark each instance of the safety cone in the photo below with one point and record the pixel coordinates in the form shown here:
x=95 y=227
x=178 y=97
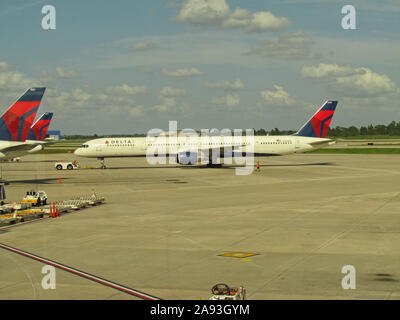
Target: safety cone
x=57 y=210
x=59 y=180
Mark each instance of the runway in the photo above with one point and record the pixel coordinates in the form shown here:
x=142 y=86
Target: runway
x=163 y=229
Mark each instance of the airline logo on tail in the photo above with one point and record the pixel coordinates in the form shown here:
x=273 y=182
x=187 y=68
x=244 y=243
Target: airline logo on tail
x=16 y=122
x=40 y=127
x=318 y=125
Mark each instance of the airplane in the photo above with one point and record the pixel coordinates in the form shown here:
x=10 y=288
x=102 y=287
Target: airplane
x=38 y=131
x=312 y=135
x=16 y=123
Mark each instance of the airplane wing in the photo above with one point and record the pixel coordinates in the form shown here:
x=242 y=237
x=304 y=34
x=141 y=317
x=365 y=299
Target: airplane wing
x=49 y=142
x=318 y=143
x=17 y=148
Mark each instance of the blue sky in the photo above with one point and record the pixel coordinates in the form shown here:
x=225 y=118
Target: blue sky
x=129 y=66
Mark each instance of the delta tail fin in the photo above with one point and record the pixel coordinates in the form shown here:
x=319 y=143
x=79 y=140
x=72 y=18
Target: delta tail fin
x=40 y=127
x=318 y=125
x=16 y=122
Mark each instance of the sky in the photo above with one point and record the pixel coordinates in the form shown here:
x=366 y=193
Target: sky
x=115 y=67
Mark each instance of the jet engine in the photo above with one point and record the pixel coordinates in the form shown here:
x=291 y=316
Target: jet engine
x=187 y=158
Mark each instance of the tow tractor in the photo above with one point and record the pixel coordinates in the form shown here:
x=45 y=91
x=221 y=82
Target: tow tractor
x=221 y=291
x=36 y=198
x=66 y=165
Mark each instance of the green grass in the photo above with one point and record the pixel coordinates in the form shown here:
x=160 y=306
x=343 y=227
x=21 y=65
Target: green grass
x=53 y=151
x=367 y=137
x=359 y=151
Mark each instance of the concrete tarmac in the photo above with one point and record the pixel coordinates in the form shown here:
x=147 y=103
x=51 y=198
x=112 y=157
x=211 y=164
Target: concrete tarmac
x=163 y=228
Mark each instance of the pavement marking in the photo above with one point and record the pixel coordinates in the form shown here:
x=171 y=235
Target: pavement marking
x=82 y=274
x=22 y=223
x=240 y=255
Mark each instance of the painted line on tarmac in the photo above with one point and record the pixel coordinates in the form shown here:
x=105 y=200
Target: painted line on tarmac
x=22 y=223
x=82 y=274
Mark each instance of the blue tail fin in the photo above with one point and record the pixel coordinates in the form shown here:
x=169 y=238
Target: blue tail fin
x=40 y=127
x=318 y=124
x=16 y=122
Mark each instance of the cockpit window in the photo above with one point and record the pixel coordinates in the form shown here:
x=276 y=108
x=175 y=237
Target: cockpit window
x=84 y=146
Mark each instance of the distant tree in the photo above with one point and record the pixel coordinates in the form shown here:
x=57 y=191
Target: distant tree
x=363 y=131
x=353 y=131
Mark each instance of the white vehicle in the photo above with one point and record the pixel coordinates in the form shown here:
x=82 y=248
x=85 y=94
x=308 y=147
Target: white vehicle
x=66 y=165
x=187 y=151
x=221 y=291
x=36 y=198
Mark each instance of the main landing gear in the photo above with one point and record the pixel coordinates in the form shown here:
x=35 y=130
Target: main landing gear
x=210 y=164
x=103 y=165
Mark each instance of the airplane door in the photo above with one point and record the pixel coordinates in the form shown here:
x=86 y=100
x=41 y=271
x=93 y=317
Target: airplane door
x=296 y=144
x=143 y=145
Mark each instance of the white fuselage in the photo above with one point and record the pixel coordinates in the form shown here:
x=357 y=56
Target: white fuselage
x=261 y=145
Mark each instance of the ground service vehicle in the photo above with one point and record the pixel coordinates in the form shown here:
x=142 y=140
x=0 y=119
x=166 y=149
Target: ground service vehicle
x=66 y=165
x=36 y=198
x=221 y=291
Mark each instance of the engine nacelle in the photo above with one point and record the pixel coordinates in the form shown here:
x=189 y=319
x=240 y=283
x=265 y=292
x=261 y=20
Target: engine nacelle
x=37 y=148
x=187 y=158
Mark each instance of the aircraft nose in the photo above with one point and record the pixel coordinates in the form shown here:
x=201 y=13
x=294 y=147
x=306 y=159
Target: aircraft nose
x=78 y=152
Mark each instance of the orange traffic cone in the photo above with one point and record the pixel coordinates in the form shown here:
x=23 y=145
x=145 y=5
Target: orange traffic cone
x=59 y=180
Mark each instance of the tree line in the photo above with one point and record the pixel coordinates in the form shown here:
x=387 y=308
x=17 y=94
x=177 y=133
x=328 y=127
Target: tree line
x=392 y=129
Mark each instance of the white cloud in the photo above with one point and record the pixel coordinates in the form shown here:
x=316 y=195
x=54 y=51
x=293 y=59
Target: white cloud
x=290 y=46
x=324 y=70
x=277 y=96
x=168 y=104
x=125 y=90
x=181 y=73
x=172 y=92
x=225 y=84
x=231 y=100
x=4 y=66
x=351 y=82
x=66 y=74
x=217 y=13
x=141 y=46
x=14 y=81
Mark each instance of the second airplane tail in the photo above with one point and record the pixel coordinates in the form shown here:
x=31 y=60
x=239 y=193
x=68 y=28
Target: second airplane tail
x=318 y=125
x=16 y=122
x=39 y=129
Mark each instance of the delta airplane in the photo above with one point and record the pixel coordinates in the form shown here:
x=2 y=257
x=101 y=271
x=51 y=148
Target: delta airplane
x=310 y=136
x=35 y=139
x=16 y=123
x=38 y=132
